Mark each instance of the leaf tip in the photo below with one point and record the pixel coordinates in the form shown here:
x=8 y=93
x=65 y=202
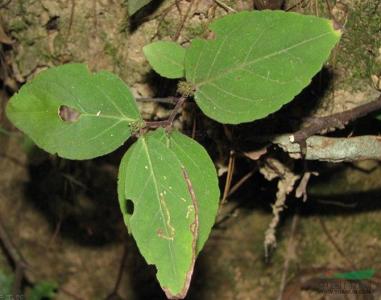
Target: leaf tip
x=172 y=296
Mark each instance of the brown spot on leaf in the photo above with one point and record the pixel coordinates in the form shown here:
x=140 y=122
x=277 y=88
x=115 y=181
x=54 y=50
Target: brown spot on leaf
x=68 y=114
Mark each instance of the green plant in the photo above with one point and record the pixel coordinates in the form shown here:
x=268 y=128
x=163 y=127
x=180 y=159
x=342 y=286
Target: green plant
x=41 y=290
x=167 y=186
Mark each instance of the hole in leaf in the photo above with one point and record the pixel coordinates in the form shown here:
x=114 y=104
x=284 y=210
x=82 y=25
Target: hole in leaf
x=68 y=114
x=129 y=206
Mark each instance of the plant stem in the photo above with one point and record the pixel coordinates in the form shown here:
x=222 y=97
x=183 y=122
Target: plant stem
x=169 y=122
x=157 y=124
x=169 y=100
x=176 y=109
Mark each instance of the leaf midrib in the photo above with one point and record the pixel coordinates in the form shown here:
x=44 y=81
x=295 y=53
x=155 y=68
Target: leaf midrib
x=122 y=119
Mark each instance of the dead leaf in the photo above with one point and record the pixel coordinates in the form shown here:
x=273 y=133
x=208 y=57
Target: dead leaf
x=287 y=179
x=256 y=154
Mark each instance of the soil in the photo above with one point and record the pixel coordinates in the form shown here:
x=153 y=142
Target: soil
x=63 y=216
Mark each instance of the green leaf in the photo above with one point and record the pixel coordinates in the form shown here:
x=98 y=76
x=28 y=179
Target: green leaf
x=172 y=184
x=166 y=58
x=135 y=5
x=43 y=290
x=204 y=180
x=257 y=62
x=163 y=220
x=76 y=114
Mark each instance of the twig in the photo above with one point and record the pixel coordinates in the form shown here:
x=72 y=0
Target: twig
x=176 y=109
x=295 y=5
x=157 y=124
x=162 y=16
x=333 y=149
x=16 y=258
x=55 y=233
x=177 y=34
x=9 y=247
x=338 y=120
x=240 y=182
x=338 y=203
x=71 y=19
x=225 y=6
x=170 y=120
x=235 y=187
x=329 y=8
x=229 y=176
x=168 y=100
x=335 y=245
x=120 y=273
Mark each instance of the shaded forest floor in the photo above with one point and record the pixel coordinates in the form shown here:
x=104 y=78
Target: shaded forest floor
x=72 y=247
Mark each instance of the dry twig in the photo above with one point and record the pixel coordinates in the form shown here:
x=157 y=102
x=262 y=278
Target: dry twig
x=333 y=149
x=338 y=120
x=287 y=179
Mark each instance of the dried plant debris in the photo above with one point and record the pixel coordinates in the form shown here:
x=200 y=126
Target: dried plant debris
x=274 y=169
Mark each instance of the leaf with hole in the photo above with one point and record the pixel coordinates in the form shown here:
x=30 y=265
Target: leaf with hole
x=166 y=58
x=257 y=62
x=78 y=115
x=169 y=202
